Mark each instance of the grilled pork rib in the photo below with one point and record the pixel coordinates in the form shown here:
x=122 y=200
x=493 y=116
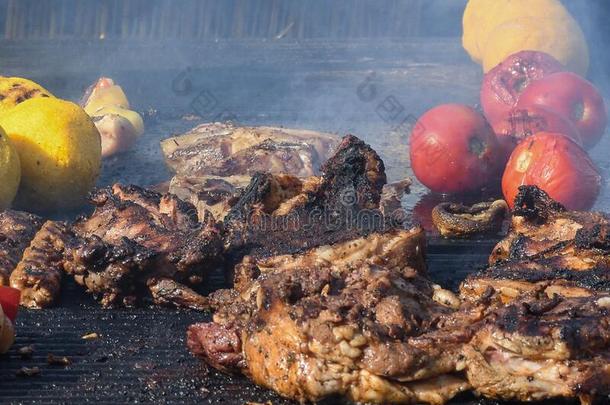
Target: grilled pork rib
x=17 y=229
x=345 y=319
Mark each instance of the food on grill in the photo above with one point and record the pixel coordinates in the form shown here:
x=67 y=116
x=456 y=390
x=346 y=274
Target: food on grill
x=133 y=243
x=226 y=150
x=210 y=193
x=344 y=319
x=502 y=86
x=557 y=165
x=15 y=90
x=10 y=171
x=38 y=275
x=119 y=126
x=573 y=97
x=494 y=29
x=7 y=332
x=454 y=150
x=279 y=214
x=9 y=303
x=543 y=347
x=59 y=150
x=17 y=229
x=458 y=220
x=547 y=249
x=521 y=123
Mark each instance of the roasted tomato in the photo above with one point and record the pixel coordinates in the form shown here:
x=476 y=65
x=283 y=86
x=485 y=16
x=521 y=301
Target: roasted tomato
x=503 y=85
x=523 y=122
x=9 y=300
x=557 y=165
x=573 y=97
x=454 y=150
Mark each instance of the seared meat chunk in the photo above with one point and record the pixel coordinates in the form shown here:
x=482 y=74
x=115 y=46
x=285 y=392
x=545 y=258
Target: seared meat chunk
x=540 y=348
x=346 y=319
x=38 y=274
x=136 y=235
x=549 y=248
x=136 y=243
x=280 y=214
x=539 y=223
x=223 y=149
x=17 y=229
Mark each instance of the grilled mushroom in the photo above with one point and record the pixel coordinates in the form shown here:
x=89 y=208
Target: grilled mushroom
x=459 y=221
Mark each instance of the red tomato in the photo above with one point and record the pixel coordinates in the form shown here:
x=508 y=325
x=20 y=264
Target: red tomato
x=573 y=97
x=521 y=123
x=9 y=300
x=557 y=165
x=454 y=150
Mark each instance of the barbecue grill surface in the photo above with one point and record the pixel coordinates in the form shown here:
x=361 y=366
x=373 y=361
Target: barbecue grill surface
x=140 y=355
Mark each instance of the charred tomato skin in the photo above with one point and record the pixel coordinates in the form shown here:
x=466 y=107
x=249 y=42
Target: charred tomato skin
x=573 y=97
x=503 y=85
x=522 y=122
x=556 y=164
x=453 y=150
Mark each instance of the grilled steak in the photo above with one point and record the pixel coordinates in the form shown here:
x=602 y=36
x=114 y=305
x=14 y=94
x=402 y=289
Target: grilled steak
x=226 y=150
x=17 y=229
x=280 y=214
x=539 y=347
x=345 y=319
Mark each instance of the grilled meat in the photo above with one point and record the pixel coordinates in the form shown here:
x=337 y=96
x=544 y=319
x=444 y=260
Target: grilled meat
x=209 y=193
x=281 y=214
x=38 y=274
x=135 y=236
x=549 y=248
x=539 y=348
x=17 y=229
x=346 y=319
x=226 y=150
x=539 y=223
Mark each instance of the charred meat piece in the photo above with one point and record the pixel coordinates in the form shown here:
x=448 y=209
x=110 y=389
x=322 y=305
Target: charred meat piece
x=227 y=150
x=135 y=236
x=541 y=348
x=38 y=275
x=17 y=229
x=539 y=223
x=459 y=221
x=342 y=320
x=281 y=214
x=548 y=248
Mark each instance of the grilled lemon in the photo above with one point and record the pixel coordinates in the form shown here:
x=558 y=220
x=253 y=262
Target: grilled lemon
x=15 y=90
x=10 y=171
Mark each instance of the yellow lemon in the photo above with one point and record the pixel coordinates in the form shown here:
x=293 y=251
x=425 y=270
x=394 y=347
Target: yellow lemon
x=60 y=152
x=484 y=20
x=15 y=90
x=561 y=39
x=10 y=171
